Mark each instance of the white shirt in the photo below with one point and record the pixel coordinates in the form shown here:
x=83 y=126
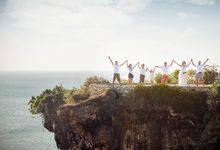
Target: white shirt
x=183 y=69
x=130 y=70
x=199 y=68
x=116 y=68
x=165 y=70
x=142 y=71
x=152 y=75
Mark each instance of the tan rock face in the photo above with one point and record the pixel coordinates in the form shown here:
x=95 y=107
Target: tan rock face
x=114 y=122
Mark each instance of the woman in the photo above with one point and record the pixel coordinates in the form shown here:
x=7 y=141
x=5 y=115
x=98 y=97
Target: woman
x=182 y=74
x=130 y=73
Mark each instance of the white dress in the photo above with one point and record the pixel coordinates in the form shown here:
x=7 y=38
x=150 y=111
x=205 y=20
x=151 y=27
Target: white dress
x=182 y=77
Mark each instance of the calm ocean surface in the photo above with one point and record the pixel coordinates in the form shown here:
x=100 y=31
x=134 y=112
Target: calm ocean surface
x=19 y=130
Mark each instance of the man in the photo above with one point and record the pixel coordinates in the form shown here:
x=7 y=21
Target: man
x=165 y=70
x=116 y=70
x=199 y=72
x=142 y=72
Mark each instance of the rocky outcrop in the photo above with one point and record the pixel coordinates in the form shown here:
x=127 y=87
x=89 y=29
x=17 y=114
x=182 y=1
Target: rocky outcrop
x=115 y=121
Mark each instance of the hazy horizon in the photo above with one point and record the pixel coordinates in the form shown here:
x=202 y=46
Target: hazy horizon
x=72 y=35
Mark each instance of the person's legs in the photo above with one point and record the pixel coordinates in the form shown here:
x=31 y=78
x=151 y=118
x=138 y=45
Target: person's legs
x=142 y=78
x=114 y=78
x=118 y=79
x=161 y=79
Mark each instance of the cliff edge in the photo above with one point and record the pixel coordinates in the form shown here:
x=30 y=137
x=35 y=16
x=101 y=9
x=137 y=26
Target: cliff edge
x=145 y=118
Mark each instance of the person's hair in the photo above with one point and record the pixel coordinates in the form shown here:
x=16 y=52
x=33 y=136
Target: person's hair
x=142 y=65
x=130 y=65
x=199 y=62
x=165 y=63
x=184 y=63
x=116 y=62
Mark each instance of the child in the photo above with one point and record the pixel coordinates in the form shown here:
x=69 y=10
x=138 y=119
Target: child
x=152 y=71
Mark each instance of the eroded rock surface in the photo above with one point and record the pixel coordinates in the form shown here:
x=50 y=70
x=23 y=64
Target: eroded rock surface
x=117 y=122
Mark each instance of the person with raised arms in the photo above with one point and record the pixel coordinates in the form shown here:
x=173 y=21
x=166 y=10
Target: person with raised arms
x=152 y=71
x=142 y=72
x=199 y=71
x=165 y=72
x=182 y=74
x=130 y=72
x=116 y=67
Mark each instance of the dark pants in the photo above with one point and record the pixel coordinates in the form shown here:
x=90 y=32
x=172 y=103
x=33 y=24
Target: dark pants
x=116 y=76
x=142 y=78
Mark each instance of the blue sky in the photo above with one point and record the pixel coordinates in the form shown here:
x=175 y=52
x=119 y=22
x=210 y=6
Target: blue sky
x=79 y=35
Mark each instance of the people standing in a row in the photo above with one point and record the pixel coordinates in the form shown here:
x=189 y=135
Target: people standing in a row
x=182 y=78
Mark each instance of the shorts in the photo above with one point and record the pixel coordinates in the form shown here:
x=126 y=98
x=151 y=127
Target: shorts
x=199 y=76
x=116 y=76
x=164 y=78
x=142 y=78
x=130 y=76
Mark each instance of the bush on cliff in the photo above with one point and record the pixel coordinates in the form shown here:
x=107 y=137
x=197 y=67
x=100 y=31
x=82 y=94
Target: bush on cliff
x=76 y=95
x=209 y=76
x=38 y=104
x=61 y=95
x=181 y=100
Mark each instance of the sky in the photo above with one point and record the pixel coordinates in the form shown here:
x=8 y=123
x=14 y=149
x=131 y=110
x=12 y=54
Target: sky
x=70 y=35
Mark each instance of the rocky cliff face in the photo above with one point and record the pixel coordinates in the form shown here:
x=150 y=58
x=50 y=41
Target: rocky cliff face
x=130 y=122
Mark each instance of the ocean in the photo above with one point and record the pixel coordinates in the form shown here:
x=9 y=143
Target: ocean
x=19 y=129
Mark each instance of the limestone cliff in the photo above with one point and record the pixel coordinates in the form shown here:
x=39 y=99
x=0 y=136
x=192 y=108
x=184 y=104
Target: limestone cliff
x=137 y=121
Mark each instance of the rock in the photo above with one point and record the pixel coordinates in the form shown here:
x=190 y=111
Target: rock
x=113 y=121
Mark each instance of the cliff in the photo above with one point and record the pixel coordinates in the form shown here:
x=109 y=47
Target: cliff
x=143 y=118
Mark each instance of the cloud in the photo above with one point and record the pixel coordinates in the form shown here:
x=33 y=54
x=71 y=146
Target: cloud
x=79 y=34
x=202 y=2
x=133 y=5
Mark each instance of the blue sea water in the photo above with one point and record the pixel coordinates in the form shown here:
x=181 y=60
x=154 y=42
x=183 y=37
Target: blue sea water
x=19 y=129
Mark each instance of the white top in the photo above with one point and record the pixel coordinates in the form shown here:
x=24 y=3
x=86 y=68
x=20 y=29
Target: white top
x=130 y=70
x=116 y=68
x=199 y=68
x=165 y=69
x=151 y=75
x=142 y=71
x=183 y=69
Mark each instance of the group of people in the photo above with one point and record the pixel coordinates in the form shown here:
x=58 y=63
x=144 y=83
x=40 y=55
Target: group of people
x=182 y=80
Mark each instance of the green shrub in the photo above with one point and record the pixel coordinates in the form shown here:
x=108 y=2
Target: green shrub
x=209 y=76
x=174 y=76
x=157 y=77
x=37 y=103
x=61 y=95
x=95 y=80
x=181 y=100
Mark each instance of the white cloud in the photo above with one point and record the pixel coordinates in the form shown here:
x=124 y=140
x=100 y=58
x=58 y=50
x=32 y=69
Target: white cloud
x=79 y=34
x=133 y=5
x=202 y=2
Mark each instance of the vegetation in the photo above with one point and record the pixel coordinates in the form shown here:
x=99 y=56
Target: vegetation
x=174 y=76
x=209 y=76
x=37 y=103
x=59 y=95
x=157 y=78
x=181 y=100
